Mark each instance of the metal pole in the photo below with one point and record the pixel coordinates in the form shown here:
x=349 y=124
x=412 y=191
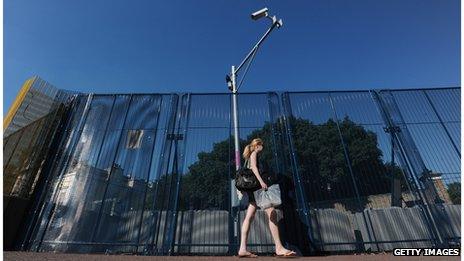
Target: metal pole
x=233 y=191
x=266 y=34
x=231 y=81
x=235 y=201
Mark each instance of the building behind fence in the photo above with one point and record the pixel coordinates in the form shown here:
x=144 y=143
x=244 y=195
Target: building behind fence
x=152 y=173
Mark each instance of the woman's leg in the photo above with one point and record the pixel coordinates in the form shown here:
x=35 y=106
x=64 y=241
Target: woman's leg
x=250 y=214
x=272 y=216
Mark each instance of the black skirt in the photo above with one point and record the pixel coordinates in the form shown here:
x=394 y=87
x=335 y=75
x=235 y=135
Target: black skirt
x=251 y=197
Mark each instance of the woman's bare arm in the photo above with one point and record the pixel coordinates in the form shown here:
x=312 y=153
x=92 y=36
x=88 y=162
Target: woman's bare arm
x=254 y=167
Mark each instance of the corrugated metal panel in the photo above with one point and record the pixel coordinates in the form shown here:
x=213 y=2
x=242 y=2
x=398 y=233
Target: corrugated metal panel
x=334 y=227
x=454 y=213
x=448 y=219
x=393 y=224
x=202 y=227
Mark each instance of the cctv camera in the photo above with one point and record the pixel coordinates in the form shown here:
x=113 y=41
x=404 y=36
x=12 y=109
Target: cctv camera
x=229 y=82
x=259 y=14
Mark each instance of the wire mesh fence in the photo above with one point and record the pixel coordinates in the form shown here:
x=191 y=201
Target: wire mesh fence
x=151 y=173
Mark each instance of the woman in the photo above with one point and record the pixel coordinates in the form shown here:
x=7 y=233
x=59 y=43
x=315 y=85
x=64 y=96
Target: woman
x=251 y=153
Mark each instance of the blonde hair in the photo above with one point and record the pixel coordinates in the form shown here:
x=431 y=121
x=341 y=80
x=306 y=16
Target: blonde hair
x=251 y=147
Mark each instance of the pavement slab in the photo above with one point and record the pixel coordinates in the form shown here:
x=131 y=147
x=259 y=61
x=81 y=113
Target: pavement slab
x=23 y=256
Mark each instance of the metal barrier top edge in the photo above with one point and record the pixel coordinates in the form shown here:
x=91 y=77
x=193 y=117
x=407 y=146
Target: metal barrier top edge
x=273 y=92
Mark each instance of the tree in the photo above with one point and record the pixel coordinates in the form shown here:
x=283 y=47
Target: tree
x=321 y=164
x=207 y=182
x=454 y=192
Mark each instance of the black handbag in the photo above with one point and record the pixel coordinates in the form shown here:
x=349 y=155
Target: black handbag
x=245 y=179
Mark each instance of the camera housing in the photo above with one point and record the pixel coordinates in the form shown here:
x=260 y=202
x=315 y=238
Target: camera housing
x=260 y=14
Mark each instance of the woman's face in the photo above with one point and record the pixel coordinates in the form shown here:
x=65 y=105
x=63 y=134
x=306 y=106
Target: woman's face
x=259 y=148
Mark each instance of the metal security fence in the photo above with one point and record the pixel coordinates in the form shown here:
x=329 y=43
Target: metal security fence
x=36 y=100
x=426 y=119
x=152 y=173
x=24 y=152
x=29 y=129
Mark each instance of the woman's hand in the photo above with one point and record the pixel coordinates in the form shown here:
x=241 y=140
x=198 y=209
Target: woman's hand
x=263 y=185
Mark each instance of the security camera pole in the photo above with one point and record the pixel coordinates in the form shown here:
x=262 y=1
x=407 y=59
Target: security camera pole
x=231 y=83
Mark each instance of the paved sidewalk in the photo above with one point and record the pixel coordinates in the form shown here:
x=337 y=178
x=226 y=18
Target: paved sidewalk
x=23 y=256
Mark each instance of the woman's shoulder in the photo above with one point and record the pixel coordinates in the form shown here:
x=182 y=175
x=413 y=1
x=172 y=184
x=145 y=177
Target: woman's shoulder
x=254 y=156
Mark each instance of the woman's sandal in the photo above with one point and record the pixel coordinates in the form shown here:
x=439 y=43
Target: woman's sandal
x=248 y=255
x=288 y=254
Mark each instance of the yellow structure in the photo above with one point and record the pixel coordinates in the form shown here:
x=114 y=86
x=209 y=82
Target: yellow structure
x=17 y=102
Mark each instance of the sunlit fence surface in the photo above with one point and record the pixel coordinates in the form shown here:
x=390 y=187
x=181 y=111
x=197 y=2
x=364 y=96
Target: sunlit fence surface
x=151 y=173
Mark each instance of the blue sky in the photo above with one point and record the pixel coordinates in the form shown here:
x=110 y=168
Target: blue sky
x=169 y=46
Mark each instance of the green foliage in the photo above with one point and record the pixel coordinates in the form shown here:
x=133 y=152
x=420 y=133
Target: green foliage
x=321 y=164
x=207 y=183
x=454 y=192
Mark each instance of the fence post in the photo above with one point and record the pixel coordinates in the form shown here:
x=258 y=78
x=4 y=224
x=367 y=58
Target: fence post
x=413 y=160
x=178 y=166
x=302 y=201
